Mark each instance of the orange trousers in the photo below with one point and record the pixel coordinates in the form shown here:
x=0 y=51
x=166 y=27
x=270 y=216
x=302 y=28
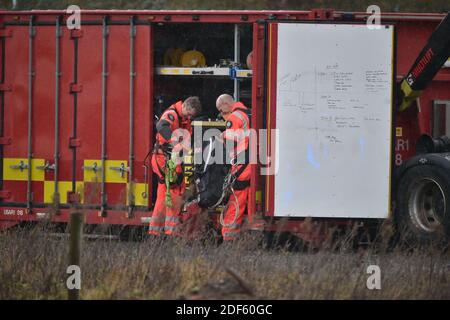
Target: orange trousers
x=166 y=220
x=233 y=218
x=234 y=214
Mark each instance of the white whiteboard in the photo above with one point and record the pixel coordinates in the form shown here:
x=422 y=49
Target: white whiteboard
x=334 y=120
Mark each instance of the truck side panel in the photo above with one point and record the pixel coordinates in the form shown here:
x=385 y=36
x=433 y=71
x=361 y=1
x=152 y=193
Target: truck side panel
x=89 y=117
x=16 y=113
x=79 y=114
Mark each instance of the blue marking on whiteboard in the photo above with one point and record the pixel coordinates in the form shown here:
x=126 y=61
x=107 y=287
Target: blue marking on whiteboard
x=311 y=159
x=325 y=152
x=287 y=198
x=362 y=143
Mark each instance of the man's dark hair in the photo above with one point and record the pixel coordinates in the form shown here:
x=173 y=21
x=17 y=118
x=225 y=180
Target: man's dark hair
x=194 y=103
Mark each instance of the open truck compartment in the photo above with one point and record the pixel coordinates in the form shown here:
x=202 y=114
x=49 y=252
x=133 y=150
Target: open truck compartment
x=216 y=51
x=223 y=47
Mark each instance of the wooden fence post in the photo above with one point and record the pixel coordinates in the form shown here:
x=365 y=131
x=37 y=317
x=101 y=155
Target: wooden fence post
x=76 y=234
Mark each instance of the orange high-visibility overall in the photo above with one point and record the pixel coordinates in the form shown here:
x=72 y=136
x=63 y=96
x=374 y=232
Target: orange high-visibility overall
x=238 y=126
x=166 y=219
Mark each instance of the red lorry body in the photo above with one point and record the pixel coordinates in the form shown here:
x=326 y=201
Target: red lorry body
x=78 y=103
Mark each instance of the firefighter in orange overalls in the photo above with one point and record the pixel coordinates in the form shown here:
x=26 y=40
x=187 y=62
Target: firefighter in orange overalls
x=237 y=133
x=166 y=219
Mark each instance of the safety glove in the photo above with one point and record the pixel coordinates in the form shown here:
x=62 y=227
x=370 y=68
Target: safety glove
x=170 y=177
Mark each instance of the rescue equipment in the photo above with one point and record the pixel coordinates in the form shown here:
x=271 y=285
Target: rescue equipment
x=215 y=181
x=249 y=60
x=193 y=58
x=170 y=177
x=172 y=57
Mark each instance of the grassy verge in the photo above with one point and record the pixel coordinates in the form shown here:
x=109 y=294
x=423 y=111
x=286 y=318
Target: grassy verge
x=33 y=266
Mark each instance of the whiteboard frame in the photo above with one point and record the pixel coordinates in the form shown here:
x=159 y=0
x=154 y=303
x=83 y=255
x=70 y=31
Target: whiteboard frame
x=271 y=106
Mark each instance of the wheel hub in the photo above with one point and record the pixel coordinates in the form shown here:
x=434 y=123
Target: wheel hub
x=427 y=205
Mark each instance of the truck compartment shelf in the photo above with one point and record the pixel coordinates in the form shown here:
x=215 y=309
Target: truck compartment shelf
x=206 y=71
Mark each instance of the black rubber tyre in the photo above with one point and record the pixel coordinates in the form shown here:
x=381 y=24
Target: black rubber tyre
x=423 y=206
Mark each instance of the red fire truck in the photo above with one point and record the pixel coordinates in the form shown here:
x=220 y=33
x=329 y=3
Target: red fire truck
x=78 y=108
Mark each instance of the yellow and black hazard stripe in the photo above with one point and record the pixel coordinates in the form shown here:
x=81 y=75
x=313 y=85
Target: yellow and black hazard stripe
x=428 y=63
x=16 y=169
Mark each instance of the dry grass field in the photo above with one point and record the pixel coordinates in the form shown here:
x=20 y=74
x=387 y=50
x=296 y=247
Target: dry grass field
x=33 y=266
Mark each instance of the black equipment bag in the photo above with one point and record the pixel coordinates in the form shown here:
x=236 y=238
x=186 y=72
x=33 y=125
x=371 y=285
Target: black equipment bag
x=209 y=177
